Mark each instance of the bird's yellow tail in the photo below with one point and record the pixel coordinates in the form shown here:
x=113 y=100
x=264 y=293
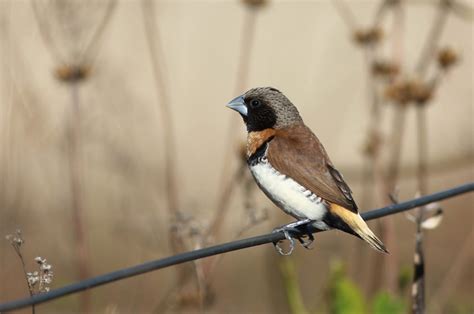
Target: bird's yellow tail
x=359 y=226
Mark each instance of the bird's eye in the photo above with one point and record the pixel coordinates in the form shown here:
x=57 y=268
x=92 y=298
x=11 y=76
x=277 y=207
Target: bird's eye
x=255 y=103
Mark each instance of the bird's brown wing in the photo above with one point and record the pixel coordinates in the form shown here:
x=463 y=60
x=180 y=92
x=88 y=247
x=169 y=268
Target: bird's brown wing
x=297 y=153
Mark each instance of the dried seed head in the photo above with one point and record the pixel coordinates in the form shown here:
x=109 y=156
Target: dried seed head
x=40 y=260
x=72 y=73
x=407 y=91
x=255 y=3
x=385 y=69
x=398 y=92
x=16 y=239
x=368 y=36
x=447 y=57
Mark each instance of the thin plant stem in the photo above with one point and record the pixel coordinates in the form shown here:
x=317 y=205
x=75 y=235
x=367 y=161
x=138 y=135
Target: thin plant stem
x=45 y=34
x=163 y=105
x=346 y=14
x=75 y=173
x=176 y=240
x=398 y=29
x=426 y=55
x=227 y=184
x=434 y=35
x=422 y=145
x=16 y=241
x=380 y=13
x=88 y=55
x=398 y=128
x=224 y=202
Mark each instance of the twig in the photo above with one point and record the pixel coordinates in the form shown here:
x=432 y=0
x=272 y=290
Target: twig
x=45 y=34
x=224 y=201
x=219 y=249
x=226 y=182
x=88 y=55
x=434 y=35
x=418 y=285
x=346 y=14
x=153 y=42
x=16 y=242
x=75 y=172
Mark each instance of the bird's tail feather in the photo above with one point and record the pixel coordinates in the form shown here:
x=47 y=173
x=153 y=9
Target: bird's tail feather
x=359 y=226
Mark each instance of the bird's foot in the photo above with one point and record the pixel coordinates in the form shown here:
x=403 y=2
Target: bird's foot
x=294 y=227
x=307 y=243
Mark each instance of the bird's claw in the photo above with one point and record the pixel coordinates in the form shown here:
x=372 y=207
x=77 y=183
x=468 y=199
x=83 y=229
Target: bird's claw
x=289 y=238
x=289 y=227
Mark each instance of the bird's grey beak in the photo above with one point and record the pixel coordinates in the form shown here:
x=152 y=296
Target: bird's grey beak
x=238 y=104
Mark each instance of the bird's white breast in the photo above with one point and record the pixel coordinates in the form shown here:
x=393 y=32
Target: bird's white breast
x=288 y=194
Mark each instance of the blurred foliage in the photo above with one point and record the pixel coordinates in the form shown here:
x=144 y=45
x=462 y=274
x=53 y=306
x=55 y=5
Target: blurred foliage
x=344 y=295
x=290 y=280
x=384 y=303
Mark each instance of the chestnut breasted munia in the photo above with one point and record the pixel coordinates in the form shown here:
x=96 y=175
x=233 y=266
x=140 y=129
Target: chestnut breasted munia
x=292 y=168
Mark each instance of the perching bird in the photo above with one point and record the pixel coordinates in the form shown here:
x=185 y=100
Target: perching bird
x=291 y=166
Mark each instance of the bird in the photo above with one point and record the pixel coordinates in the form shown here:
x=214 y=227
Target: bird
x=292 y=168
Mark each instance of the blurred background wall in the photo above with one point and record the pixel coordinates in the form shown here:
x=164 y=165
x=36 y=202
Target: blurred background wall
x=208 y=52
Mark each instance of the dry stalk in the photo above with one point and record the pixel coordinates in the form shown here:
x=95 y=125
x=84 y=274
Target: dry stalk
x=426 y=56
x=72 y=70
x=163 y=105
x=46 y=35
x=16 y=241
x=7 y=107
x=374 y=172
x=227 y=182
x=205 y=269
x=75 y=173
x=88 y=56
x=434 y=35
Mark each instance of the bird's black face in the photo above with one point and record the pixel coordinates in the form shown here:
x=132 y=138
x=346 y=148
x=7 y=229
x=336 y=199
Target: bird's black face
x=260 y=115
x=256 y=111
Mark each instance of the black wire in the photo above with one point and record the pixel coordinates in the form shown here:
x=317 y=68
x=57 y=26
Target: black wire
x=214 y=250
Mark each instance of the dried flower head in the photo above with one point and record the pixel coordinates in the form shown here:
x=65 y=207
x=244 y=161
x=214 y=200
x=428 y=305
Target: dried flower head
x=386 y=69
x=407 y=91
x=72 y=73
x=255 y=3
x=447 y=57
x=368 y=36
x=16 y=239
x=44 y=276
x=398 y=92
